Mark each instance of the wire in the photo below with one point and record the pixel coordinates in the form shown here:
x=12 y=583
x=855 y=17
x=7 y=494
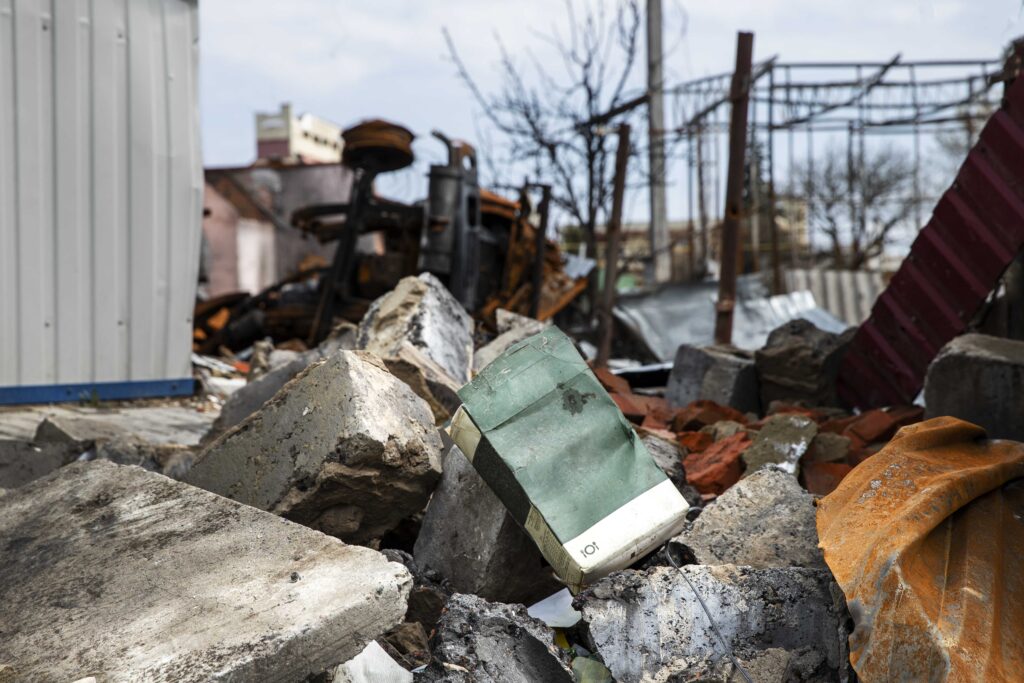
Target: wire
x=728 y=650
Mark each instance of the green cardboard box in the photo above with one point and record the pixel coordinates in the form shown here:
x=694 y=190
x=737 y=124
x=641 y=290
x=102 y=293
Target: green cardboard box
x=549 y=441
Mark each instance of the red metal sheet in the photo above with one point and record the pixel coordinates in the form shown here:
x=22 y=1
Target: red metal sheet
x=975 y=231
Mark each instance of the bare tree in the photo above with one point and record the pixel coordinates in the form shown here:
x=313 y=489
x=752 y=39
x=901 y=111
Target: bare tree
x=539 y=107
x=857 y=202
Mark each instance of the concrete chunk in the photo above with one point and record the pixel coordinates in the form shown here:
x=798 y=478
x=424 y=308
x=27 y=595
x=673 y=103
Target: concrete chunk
x=720 y=374
x=493 y=643
x=512 y=329
x=650 y=626
x=469 y=538
x=429 y=380
x=764 y=520
x=978 y=378
x=250 y=398
x=345 y=448
x=23 y=461
x=799 y=364
x=421 y=311
x=125 y=575
x=781 y=442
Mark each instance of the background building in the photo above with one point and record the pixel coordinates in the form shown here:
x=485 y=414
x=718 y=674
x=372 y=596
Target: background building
x=282 y=136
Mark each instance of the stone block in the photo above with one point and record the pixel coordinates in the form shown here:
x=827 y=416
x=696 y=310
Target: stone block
x=781 y=442
x=650 y=626
x=487 y=642
x=765 y=520
x=799 y=364
x=24 y=461
x=469 y=538
x=421 y=311
x=428 y=379
x=125 y=575
x=512 y=328
x=720 y=374
x=345 y=448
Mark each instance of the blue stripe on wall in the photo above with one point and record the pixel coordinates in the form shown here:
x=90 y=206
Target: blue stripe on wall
x=96 y=391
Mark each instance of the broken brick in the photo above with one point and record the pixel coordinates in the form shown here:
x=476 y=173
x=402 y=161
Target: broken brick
x=611 y=382
x=821 y=478
x=719 y=466
x=702 y=413
x=652 y=422
x=632 y=411
x=695 y=442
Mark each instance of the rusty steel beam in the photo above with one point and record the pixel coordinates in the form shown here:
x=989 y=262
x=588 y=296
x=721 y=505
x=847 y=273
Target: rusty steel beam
x=739 y=92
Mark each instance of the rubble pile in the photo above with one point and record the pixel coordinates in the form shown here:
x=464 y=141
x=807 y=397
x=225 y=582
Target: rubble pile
x=350 y=540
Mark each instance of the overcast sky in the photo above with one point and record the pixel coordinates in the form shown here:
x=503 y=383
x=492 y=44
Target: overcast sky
x=348 y=60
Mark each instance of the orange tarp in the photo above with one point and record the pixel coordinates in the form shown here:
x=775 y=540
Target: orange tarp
x=926 y=539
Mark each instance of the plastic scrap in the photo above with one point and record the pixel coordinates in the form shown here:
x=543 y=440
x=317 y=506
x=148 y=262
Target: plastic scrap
x=926 y=539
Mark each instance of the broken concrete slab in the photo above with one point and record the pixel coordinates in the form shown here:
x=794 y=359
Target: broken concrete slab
x=470 y=538
x=421 y=311
x=799 y=364
x=428 y=595
x=978 y=378
x=253 y=395
x=79 y=431
x=508 y=320
x=495 y=643
x=781 y=442
x=723 y=429
x=669 y=457
x=721 y=374
x=172 y=460
x=516 y=330
x=122 y=574
x=650 y=626
x=828 y=447
x=429 y=380
x=345 y=448
x=24 y=461
x=667 y=454
x=764 y=520
x=175 y=422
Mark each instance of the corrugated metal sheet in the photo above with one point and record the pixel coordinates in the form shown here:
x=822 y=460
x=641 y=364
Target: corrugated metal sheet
x=925 y=538
x=975 y=231
x=846 y=294
x=685 y=314
x=100 y=190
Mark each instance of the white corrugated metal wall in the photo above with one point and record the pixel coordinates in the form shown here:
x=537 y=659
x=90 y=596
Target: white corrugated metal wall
x=846 y=294
x=100 y=190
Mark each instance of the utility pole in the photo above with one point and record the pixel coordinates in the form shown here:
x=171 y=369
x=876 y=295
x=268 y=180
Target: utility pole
x=739 y=92
x=661 y=260
x=702 y=210
x=611 y=252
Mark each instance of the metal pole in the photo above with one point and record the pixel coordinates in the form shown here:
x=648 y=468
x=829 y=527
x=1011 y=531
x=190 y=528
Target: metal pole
x=661 y=257
x=691 y=243
x=917 y=150
x=755 y=193
x=611 y=254
x=773 y=226
x=739 y=94
x=702 y=210
x=851 y=176
x=540 y=245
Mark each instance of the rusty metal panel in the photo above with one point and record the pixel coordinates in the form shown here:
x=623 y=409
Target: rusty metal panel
x=974 y=233
x=100 y=191
x=925 y=539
